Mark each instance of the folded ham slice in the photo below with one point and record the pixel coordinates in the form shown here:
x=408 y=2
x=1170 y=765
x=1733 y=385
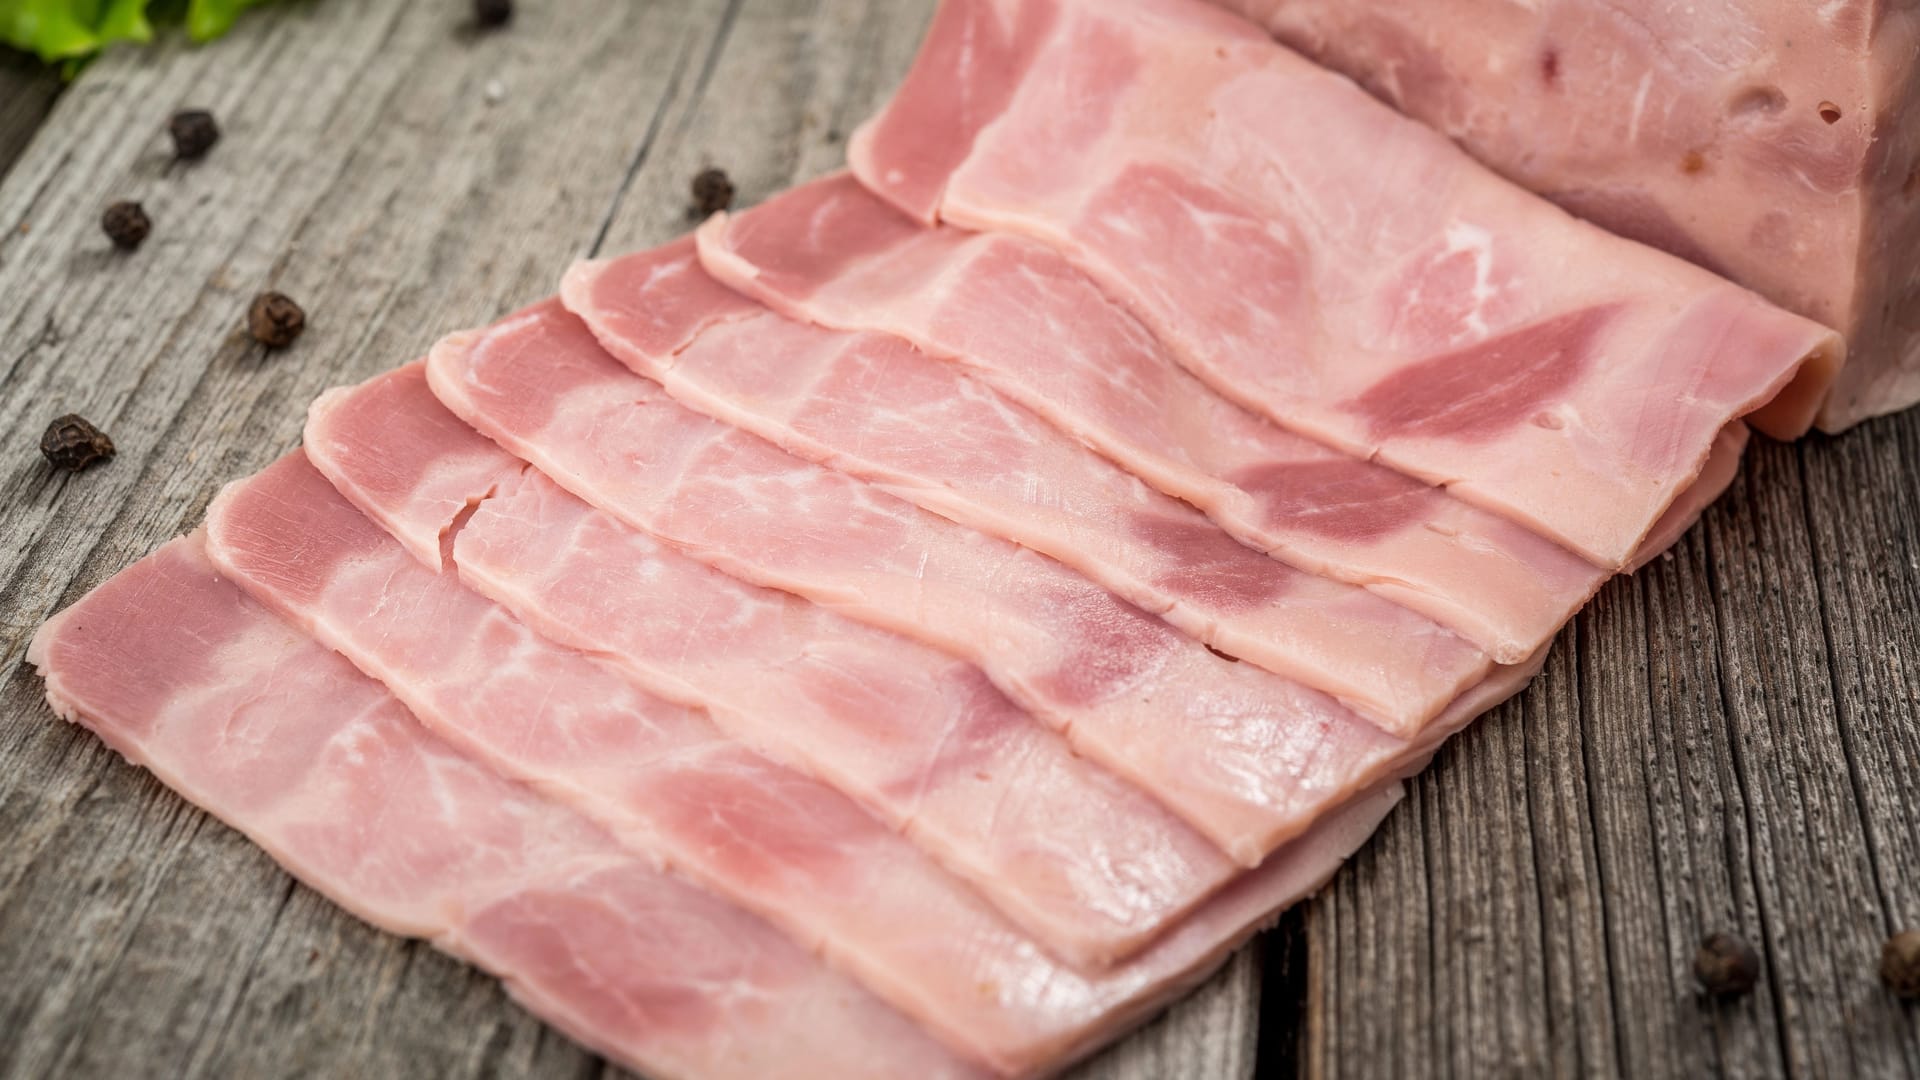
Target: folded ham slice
x=1768 y=140
x=1018 y=315
x=1249 y=758
x=1232 y=195
x=873 y=406
x=182 y=673
x=1083 y=861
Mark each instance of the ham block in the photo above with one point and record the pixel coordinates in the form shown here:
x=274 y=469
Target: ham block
x=1771 y=141
x=185 y=675
x=1081 y=860
x=1018 y=316
x=1251 y=209
x=1247 y=757
x=665 y=782
x=875 y=407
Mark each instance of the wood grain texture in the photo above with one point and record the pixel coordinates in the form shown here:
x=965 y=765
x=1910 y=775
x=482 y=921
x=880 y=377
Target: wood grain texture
x=401 y=175
x=27 y=91
x=1726 y=741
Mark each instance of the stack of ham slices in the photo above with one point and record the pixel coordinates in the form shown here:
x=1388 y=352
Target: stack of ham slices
x=921 y=624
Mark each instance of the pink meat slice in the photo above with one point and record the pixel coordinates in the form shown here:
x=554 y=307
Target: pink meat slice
x=1020 y=317
x=1083 y=861
x=1723 y=464
x=875 y=407
x=1249 y=758
x=184 y=675
x=667 y=783
x=1231 y=194
x=1771 y=141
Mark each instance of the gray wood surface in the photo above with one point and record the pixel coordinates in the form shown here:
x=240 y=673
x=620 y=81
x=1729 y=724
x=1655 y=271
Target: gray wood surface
x=1727 y=741
x=27 y=90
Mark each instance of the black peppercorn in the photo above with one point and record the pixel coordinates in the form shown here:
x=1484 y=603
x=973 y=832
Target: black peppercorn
x=1900 y=963
x=71 y=443
x=275 y=320
x=712 y=192
x=1726 y=966
x=194 y=133
x=126 y=224
x=491 y=13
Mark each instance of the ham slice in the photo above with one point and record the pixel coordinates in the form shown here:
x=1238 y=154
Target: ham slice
x=183 y=674
x=1249 y=758
x=666 y=783
x=1081 y=860
x=1768 y=140
x=873 y=406
x=1017 y=315
x=1229 y=193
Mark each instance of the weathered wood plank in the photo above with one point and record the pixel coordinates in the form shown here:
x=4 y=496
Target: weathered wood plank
x=27 y=91
x=371 y=171
x=1726 y=741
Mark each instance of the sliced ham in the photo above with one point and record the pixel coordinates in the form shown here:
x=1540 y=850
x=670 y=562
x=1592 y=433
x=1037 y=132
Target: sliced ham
x=183 y=674
x=1017 y=314
x=875 y=407
x=665 y=782
x=1716 y=476
x=1083 y=861
x=1231 y=194
x=1772 y=141
x=1247 y=757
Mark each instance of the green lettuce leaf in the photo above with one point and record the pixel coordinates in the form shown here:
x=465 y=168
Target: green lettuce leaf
x=72 y=30
x=208 y=19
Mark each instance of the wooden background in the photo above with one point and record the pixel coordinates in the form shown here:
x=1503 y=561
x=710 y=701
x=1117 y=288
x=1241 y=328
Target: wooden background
x=1730 y=740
